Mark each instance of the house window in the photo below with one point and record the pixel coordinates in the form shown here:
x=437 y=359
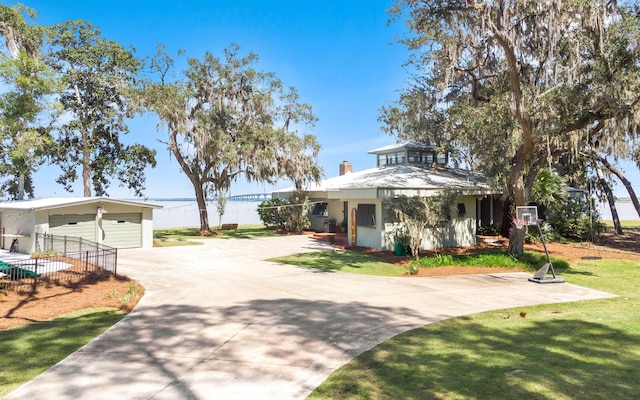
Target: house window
x=427 y=157
x=400 y=157
x=442 y=159
x=320 y=209
x=366 y=215
x=391 y=158
x=462 y=210
x=414 y=157
x=382 y=160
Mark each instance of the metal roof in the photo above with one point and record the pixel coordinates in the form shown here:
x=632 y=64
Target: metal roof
x=403 y=177
x=403 y=145
x=57 y=202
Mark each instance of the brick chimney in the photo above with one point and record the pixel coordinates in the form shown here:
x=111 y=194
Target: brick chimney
x=345 y=167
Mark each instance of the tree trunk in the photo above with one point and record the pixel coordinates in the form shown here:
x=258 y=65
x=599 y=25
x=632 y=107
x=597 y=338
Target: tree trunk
x=86 y=152
x=202 y=207
x=198 y=185
x=20 y=194
x=625 y=182
x=617 y=227
x=516 y=241
x=507 y=217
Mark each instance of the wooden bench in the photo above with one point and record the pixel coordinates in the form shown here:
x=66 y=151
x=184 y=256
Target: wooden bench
x=228 y=227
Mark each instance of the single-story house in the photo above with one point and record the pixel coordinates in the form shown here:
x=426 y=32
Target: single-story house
x=116 y=223
x=354 y=200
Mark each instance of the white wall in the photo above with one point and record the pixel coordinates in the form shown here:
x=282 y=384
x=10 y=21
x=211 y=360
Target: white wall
x=458 y=232
x=366 y=236
x=18 y=224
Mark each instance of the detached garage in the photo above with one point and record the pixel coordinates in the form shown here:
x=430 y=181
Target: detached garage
x=115 y=223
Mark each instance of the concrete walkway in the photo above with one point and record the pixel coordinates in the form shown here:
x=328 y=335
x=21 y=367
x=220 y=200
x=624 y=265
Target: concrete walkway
x=216 y=322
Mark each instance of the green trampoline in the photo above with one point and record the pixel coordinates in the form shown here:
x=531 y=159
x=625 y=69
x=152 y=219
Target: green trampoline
x=16 y=272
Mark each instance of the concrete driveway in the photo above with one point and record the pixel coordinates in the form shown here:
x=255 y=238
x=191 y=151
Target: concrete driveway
x=217 y=322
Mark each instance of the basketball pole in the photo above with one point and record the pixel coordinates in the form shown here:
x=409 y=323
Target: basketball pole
x=541 y=275
x=528 y=215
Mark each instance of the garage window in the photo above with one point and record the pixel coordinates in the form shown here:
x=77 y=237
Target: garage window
x=366 y=215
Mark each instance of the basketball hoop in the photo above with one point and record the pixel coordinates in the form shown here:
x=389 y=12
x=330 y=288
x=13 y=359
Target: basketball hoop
x=519 y=223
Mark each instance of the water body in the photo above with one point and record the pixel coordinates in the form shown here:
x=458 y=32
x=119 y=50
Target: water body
x=184 y=213
x=626 y=211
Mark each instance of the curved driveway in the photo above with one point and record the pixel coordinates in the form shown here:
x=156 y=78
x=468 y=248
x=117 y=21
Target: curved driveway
x=217 y=322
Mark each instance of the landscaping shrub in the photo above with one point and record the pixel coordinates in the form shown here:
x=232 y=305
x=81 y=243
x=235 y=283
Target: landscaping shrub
x=489 y=230
x=270 y=215
x=288 y=214
x=576 y=220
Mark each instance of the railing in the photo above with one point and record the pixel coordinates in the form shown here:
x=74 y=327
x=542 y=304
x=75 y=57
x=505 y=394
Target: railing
x=65 y=244
x=61 y=267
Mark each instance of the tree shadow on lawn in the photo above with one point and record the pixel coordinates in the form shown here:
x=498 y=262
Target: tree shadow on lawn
x=532 y=359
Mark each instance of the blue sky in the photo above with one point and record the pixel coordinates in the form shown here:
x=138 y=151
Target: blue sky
x=341 y=56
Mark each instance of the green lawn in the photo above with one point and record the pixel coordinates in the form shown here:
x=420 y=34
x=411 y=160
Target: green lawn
x=492 y=258
x=342 y=261
x=581 y=350
x=366 y=264
x=185 y=236
x=28 y=350
x=626 y=224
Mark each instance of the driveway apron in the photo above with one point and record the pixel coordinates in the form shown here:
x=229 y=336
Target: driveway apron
x=219 y=322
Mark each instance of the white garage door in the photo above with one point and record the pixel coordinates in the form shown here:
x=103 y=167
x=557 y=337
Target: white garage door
x=122 y=230
x=79 y=225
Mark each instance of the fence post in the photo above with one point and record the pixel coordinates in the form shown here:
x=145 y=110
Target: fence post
x=115 y=263
x=86 y=262
x=64 y=248
x=35 y=275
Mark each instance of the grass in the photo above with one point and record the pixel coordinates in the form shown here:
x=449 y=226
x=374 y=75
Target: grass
x=492 y=258
x=28 y=350
x=185 y=236
x=588 y=349
x=366 y=264
x=342 y=261
x=626 y=224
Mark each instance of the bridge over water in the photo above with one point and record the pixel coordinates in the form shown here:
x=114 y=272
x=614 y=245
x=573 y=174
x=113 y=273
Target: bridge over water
x=250 y=197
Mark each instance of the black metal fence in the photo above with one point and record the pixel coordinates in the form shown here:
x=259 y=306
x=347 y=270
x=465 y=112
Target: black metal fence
x=60 y=260
x=46 y=243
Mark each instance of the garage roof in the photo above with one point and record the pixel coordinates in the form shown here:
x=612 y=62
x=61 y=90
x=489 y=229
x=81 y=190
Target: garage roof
x=57 y=202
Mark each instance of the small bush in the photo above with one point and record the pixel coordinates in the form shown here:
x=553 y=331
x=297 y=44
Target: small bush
x=270 y=213
x=45 y=253
x=489 y=230
x=412 y=269
x=288 y=214
x=490 y=259
x=576 y=221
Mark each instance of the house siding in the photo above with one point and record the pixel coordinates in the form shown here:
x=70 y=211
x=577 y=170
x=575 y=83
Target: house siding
x=366 y=236
x=458 y=232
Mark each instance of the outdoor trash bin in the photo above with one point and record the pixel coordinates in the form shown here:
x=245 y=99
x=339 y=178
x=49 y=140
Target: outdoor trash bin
x=399 y=249
x=330 y=226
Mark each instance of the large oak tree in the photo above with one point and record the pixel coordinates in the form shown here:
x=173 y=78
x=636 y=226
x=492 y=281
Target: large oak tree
x=27 y=86
x=517 y=85
x=226 y=120
x=98 y=76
